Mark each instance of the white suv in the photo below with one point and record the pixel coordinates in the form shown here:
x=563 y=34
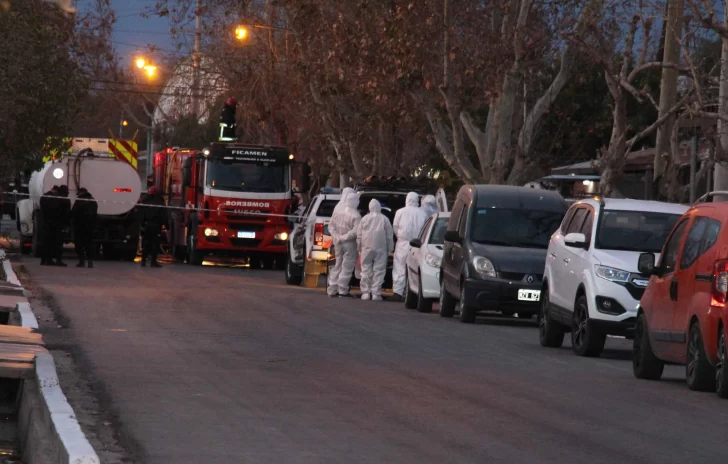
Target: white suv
x=591 y=284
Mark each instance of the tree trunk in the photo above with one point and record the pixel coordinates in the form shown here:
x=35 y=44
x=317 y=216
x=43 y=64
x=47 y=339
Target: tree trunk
x=668 y=88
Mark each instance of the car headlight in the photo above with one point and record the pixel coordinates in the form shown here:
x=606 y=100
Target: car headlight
x=432 y=260
x=484 y=267
x=611 y=274
x=281 y=236
x=211 y=232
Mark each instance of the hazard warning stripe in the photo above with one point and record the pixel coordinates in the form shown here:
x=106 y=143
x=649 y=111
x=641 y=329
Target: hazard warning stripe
x=124 y=150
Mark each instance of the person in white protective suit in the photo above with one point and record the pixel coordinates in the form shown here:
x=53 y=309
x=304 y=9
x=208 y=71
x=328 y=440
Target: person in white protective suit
x=346 y=223
x=333 y=278
x=375 y=239
x=429 y=205
x=407 y=224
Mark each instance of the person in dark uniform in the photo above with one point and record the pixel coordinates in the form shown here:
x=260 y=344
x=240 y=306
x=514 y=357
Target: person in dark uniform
x=49 y=215
x=153 y=217
x=84 y=214
x=64 y=223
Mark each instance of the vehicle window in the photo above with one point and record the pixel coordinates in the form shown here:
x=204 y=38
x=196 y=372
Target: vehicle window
x=641 y=231
x=567 y=218
x=702 y=236
x=437 y=237
x=308 y=208
x=586 y=227
x=247 y=177
x=423 y=232
x=390 y=202
x=326 y=208
x=514 y=227
x=669 y=256
x=576 y=221
x=462 y=225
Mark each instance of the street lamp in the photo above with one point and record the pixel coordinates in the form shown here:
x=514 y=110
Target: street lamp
x=151 y=70
x=141 y=62
x=241 y=33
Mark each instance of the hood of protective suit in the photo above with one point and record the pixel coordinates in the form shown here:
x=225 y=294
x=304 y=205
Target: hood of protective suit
x=429 y=205
x=375 y=206
x=342 y=201
x=412 y=199
x=352 y=200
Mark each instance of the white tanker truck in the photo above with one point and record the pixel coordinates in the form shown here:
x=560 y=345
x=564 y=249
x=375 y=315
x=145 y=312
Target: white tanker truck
x=114 y=184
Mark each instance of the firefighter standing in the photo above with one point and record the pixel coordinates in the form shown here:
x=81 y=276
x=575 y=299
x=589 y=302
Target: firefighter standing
x=153 y=217
x=48 y=214
x=84 y=214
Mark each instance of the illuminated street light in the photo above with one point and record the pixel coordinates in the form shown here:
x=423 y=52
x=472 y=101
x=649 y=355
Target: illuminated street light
x=141 y=63
x=124 y=123
x=241 y=32
x=150 y=70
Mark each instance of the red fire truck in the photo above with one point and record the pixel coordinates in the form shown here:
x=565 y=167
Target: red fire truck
x=232 y=201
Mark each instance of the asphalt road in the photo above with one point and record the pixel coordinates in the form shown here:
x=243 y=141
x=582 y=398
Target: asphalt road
x=229 y=365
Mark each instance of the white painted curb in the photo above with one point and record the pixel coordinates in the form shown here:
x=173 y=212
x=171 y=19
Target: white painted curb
x=9 y=273
x=75 y=447
x=27 y=318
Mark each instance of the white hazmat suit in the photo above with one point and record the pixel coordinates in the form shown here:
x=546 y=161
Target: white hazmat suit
x=333 y=278
x=375 y=239
x=429 y=205
x=344 y=224
x=407 y=225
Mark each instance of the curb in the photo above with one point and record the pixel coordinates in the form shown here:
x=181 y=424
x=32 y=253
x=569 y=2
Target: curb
x=10 y=275
x=48 y=426
x=74 y=447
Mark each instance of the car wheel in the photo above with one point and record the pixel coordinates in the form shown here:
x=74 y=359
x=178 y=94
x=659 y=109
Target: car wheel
x=194 y=257
x=410 y=299
x=424 y=305
x=447 y=303
x=293 y=272
x=721 y=368
x=550 y=332
x=467 y=313
x=645 y=365
x=585 y=340
x=699 y=374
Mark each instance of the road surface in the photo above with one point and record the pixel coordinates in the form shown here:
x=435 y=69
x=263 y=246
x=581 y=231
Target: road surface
x=228 y=365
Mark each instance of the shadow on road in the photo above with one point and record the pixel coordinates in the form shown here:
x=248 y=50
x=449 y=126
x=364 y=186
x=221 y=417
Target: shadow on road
x=617 y=355
x=498 y=320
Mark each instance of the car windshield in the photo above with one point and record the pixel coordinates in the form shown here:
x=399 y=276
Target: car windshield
x=634 y=230
x=247 y=177
x=437 y=236
x=326 y=208
x=514 y=227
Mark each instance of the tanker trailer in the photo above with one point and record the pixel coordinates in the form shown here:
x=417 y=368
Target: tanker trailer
x=113 y=183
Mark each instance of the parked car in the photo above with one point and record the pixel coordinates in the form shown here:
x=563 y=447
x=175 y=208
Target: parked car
x=591 y=283
x=310 y=241
x=683 y=317
x=495 y=249
x=423 y=264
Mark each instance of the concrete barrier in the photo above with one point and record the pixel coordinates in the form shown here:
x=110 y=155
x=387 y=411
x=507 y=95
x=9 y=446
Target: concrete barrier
x=47 y=427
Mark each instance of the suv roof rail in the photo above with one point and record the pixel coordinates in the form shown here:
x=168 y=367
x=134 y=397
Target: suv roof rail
x=708 y=197
x=330 y=190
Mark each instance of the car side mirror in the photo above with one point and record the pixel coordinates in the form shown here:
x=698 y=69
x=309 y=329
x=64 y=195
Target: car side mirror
x=646 y=264
x=452 y=236
x=416 y=243
x=575 y=240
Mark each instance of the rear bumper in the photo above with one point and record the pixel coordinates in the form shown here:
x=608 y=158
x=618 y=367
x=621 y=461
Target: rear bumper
x=499 y=295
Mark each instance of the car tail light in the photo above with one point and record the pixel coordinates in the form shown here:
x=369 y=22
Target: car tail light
x=318 y=234
x=719 y=290
x=122 y=190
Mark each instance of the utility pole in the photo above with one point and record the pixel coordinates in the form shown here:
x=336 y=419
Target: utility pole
x=271 y=71
x=668 y=88
x=720 y=172
x=196 y=62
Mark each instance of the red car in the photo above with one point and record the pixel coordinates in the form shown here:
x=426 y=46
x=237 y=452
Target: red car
x=683 y=315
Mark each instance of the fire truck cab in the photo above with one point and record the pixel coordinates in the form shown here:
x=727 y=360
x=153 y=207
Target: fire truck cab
x=228 y=200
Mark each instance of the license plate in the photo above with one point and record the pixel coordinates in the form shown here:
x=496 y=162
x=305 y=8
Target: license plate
x=529 y=295
x=246 y=234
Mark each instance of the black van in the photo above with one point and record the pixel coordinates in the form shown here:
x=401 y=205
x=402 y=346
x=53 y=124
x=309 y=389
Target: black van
x=495 y=249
